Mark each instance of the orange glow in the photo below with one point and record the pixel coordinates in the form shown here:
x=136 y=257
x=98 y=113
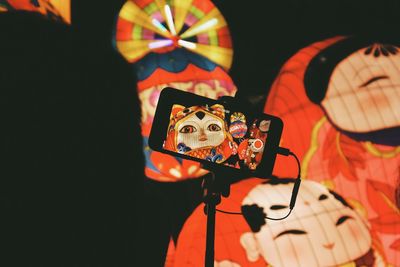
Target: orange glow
x=57 y=9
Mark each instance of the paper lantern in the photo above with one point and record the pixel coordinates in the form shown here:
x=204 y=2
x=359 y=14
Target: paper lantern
x=183 y=44
x=145 y=26
x=59 y=10
x=322 y=230
x=339 y=102
x=190 y=249
x=186 y=71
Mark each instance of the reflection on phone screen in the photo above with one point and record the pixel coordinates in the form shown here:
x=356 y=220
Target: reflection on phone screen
x=216 y=134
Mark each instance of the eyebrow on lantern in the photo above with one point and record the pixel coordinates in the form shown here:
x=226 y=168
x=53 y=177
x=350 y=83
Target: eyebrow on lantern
x=212 y=120
x=291 y=232
x=343 y=219
x=374 y=79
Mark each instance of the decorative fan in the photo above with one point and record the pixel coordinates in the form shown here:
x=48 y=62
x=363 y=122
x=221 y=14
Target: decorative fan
x=159 y=26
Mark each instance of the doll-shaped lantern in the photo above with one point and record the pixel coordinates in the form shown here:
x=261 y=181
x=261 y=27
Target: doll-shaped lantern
x=322 y=230
x=341 y=116
x=182 y=44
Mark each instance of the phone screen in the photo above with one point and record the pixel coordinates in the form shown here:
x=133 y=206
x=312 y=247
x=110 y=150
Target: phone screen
x=217 y=134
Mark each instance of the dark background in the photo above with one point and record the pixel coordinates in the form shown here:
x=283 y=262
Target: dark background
x=110 y=215
x=266 y=33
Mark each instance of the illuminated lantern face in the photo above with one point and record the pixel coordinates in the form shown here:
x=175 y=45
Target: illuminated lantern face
x=363 y=92
x=339 y=101
x=200 y=132
x=321 y=230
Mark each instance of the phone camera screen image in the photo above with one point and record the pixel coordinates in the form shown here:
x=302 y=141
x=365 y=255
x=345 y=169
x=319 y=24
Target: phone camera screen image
x=216 y=134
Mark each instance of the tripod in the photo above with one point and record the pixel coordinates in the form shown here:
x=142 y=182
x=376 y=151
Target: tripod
x=213 y=187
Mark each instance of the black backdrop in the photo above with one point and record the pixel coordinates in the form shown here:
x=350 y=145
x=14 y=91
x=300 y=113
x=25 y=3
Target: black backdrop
x=115 y=226
x=265 y=33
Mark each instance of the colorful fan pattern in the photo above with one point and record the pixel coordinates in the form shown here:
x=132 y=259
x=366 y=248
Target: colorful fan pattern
x=159 y=26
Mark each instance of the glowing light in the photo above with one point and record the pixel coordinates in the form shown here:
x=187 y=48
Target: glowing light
x=208 y=24
x=159 y=25
x=159 y=44
x=201 y=28
x=170 y=20
x=187 y=44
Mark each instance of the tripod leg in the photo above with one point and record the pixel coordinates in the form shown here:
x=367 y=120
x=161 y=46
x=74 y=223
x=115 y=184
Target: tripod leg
x=209 y=262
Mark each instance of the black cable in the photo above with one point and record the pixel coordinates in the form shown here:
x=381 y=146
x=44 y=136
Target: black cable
x=229 y=212
x=296 y=186
x=295 y=190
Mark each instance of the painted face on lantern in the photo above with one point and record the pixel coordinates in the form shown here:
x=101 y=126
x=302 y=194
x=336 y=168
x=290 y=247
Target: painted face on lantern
x=322 y=229
x=200 y=132
x=201 y=129
x=363 y=93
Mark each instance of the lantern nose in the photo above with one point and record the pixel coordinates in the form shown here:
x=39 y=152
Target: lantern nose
x=328 y=245
x=203 y=136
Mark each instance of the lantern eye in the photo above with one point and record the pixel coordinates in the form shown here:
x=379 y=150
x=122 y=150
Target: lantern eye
x=278 y=207
x=342 y=219
x=188 y=129
x=213 y=128
x=374 y=79
x=322 y=197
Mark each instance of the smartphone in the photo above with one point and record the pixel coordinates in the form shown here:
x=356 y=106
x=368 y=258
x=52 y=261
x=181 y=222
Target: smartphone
x=221 y=134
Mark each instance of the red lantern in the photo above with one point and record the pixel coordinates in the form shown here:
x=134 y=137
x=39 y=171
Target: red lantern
x=190 y=248
x=339 y=102
x=180 y=44
x=357 y=161
x=212 y=82
x=59 y=10
x=322 y=230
